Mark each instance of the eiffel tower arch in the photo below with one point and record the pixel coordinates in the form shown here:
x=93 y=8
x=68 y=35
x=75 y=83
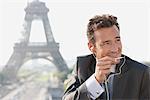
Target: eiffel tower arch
x=25 y=50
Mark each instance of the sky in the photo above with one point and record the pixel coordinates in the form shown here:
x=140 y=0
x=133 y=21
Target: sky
x=68 y=20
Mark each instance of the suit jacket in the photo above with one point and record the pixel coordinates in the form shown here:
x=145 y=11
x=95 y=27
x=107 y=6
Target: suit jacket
x=132 y=84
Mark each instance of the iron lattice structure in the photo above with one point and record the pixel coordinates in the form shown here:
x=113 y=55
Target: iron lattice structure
x=25 y=50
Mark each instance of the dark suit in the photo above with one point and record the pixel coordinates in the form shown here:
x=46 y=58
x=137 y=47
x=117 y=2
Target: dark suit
x=132 y=84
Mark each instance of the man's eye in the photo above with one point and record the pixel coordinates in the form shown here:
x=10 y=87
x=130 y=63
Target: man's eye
x=107 y=43
x=118 y=39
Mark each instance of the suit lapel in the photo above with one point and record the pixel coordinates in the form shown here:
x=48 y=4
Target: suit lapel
x=120 y=80
x=86 y=68
x=118 y=86
x=91 y=69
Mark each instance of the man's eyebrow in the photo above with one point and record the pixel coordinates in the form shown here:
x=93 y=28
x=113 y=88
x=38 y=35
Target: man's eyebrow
x=117 y=37
x=106 y=41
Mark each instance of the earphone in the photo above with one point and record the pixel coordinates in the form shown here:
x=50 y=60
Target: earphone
x=114 y=74
x=107 y=91
x=124 y=60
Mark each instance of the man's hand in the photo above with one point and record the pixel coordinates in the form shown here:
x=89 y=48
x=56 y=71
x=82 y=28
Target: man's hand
x=103 y=66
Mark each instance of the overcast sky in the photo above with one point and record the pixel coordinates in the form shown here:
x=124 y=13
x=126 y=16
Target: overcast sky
x=68 y=20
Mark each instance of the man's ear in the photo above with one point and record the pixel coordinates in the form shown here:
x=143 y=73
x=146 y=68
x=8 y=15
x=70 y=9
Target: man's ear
x=91 y=47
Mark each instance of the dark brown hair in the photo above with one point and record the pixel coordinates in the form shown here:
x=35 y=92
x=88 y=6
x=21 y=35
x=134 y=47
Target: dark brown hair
x=98 y=22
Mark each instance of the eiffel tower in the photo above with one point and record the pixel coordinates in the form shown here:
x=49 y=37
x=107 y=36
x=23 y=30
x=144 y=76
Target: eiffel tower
x=25 y=50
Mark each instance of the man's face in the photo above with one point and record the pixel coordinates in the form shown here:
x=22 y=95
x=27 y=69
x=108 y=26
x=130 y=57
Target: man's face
x=108 y=42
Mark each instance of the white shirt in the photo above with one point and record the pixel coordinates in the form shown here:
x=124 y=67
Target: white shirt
x=93 y=86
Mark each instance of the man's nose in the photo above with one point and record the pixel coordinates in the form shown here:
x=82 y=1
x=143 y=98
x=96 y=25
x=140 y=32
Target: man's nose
x=114 y=47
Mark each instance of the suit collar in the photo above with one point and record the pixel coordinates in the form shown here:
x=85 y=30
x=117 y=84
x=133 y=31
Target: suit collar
x=123 y=65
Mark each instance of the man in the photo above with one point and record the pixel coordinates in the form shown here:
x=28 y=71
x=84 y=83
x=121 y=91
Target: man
x=107 y=74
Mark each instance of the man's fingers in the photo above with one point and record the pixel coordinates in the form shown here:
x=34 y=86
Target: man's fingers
x=104 y=67
x=111 y=60
x=103 y=63
x=106 y=58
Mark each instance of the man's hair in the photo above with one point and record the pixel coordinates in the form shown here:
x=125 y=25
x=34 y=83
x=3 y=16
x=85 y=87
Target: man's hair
x=98 y=22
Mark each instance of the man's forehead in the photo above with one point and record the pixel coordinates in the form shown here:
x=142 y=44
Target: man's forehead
x=107 y=33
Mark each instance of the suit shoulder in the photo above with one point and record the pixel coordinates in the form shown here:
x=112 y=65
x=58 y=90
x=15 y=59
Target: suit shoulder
x=90 y=56
x=137 y=65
